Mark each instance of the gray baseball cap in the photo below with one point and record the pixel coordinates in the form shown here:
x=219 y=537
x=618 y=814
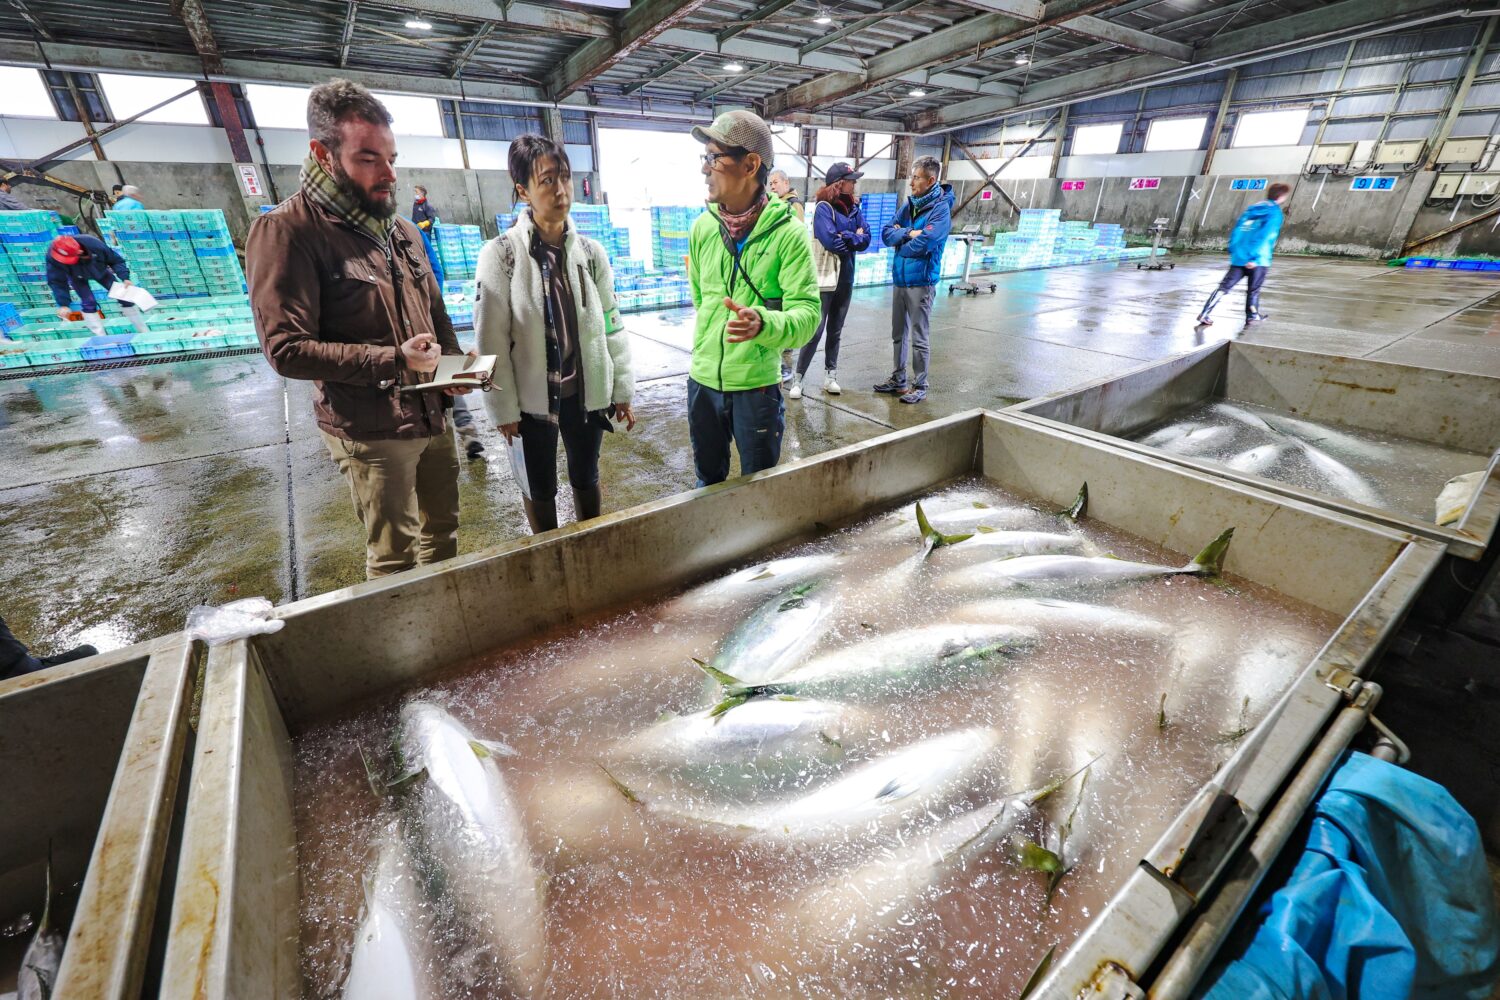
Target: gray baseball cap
x=744 y=129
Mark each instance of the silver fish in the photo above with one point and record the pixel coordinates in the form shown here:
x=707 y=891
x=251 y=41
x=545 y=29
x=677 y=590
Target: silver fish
x=907 y=782
x=988 y=543
x=776 y=634
x=471 y=833
x=1081 y=571
x=43 y=956
x=761 y=737
x=1260 y=459
x=387 y=961
x=759 y=579
x=896 y=663
x=1051 y=616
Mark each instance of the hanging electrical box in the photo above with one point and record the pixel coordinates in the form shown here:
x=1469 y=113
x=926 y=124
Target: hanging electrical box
x=1331 y=154
x=1446 y=187
x=1399 y=154
x=1462 y=151
x=1479 y=184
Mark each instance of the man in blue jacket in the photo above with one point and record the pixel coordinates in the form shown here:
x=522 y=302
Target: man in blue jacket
x=1250 y=246
x=73 y=262
x=917 y=233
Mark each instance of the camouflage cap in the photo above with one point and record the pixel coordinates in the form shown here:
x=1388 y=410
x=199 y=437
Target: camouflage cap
x=744 y=129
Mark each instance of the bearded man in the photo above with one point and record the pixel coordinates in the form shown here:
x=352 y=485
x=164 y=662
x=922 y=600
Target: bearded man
x=344 y=297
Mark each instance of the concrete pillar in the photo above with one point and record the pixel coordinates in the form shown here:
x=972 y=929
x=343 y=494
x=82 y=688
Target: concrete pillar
x=552 y=125
x=906 y=152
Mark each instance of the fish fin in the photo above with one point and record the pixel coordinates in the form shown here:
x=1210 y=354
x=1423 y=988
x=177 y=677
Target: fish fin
x=732 y=685
x=370 y=775
x=733 y=701
x=981 y=505
x=830 y=740
x=1034 y=857
x=1037 y=974
x=401 y=781
x=1080 y=504
x=984 y=529
x=491 y=748
x=1161 y=712
x=764 y=574
x=620 y=786
x=45 y=924
x=1210 y=562
x=1039 y=794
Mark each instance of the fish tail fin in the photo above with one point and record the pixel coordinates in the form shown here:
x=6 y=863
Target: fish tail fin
x=620 y=786
x=732 y=685
x=45 y=924
x=934 y=538
x=1080 y=504
x=1210 y=562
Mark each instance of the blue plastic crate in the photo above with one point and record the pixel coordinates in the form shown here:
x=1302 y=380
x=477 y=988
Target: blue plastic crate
x=26 y=237
x=1489 y=265
x=1467 y=265
x=103 y=348
x=215 y=251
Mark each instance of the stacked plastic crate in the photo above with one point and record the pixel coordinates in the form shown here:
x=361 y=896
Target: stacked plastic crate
x=458 y=249
x=205 y=323
x=24 y=239
x=879 y=209
x=670 y=228
x=177 y=254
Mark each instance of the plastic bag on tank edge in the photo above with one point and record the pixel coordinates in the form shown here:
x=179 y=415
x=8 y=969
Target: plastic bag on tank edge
x=1457 y=493
x=235 y=620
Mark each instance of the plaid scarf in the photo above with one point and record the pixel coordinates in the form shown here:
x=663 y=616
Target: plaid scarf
x=739 y=225
x=321 y=187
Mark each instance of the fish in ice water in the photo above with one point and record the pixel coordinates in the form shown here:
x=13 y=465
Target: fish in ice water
x=897 y=663
x=763 y=737
x=759 y=579
x=387 y=963
x=43 y=956
x=777 y=633
x=909 y=781
x=471 y=838
x=970 y=518
x=1064 y=572
x=1051 y=616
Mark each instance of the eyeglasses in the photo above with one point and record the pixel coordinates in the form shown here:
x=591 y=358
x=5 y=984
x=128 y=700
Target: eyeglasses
x=711 y=160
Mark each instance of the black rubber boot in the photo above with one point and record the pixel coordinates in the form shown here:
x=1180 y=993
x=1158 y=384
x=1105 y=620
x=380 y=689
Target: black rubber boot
x=1208 y=307
x=540 y=514
x=587 y=502
x=76 y=653
x=1252 y=309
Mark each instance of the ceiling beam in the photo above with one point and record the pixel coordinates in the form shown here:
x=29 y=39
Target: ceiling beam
x=760 y=13
x=1284 y=35
x=346 y=36
x=657 y=73
x=968 y=37
x=889 y=10
x=1101 y=30
x=730 y=83
x=537 y=16
x=35 y=23
x=195 y=20
x=640 y=25
x=471 y=47
x=1031 y=10
x=850 y=123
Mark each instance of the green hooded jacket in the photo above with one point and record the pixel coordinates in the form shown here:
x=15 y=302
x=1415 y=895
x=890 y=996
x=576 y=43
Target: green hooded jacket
x=777 y=258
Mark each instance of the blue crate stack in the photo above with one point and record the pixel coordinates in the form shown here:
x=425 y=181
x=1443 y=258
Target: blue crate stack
x=879 y=209
x=177 y=254
x=671 y=226
x=457 y=248
x=24 y=238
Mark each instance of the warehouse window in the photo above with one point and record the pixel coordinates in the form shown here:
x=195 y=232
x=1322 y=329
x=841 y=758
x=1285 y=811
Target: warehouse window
x=25 y=94
x=1175 y=133
x=130 y=95
x=1270 y=128
x=833 y=142
x=1097 y=140
x=278 y=107
x=880 y=146
x=413 y=115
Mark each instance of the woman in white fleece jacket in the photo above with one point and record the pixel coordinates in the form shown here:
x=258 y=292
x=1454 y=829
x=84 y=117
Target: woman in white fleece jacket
x=545 y=307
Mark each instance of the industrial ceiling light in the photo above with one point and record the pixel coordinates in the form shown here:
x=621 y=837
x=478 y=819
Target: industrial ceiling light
x=916 y=92
x=418 y=24
x=734 y=67
x=1023 y=59
x=823 y=17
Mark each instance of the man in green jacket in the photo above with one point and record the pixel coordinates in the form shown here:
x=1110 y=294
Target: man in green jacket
x=756 y=294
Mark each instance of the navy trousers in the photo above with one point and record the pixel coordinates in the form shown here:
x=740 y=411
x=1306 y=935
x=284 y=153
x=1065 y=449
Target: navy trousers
x=752 y=418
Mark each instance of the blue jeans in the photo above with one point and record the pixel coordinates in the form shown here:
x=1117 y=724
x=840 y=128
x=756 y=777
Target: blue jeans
x=752 y=418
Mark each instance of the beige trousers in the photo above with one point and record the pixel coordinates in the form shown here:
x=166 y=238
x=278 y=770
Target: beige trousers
x=406 y=495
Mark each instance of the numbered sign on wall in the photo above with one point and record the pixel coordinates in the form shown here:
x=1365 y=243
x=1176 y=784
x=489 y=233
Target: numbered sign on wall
x=249 y=179
x=1248 y=184
x=1373 y=184
x=1073 y=185
x=1145 y=183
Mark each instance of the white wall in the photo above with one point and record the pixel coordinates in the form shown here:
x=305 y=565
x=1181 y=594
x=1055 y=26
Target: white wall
x=28 y=138
x=1171 y=164
x=1259 y=161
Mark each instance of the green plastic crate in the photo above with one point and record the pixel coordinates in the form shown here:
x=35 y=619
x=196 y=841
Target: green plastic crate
x=163 y=342
x=57 y=352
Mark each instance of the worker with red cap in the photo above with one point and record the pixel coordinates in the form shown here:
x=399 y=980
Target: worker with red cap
x=73 y=262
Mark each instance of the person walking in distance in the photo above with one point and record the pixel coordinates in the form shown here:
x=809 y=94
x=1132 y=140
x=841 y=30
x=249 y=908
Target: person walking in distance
x=755 y=294
x=1250 y=246
x=918 y=233
x=544 y=305
x=343 y=296
x=839 y=232
x=781 y=186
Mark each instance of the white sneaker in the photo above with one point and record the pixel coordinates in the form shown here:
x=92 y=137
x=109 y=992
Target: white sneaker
x=796 y=391
x=831 y=383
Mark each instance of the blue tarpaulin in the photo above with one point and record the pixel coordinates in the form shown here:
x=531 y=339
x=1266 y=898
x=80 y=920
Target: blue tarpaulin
x=1389 y=898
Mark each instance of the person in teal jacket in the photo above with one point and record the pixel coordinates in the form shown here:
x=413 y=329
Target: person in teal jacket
x=1250 y=246
x=756 y=294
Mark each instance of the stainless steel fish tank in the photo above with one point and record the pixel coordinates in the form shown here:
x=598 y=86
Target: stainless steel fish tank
x=235 y=910
x=92 y=752
x=1450 y=411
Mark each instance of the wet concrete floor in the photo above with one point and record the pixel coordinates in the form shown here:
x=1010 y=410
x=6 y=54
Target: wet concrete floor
x=127 y=496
